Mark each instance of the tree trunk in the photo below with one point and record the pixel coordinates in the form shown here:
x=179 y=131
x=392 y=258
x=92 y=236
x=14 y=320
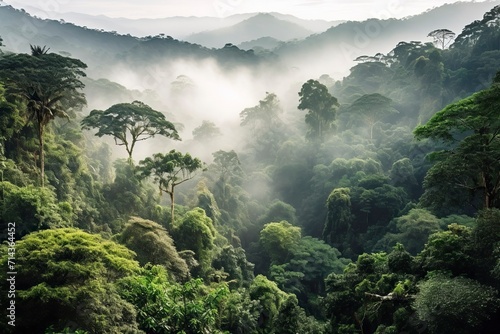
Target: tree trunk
x=129 y=151
x=171 y=194
x=42 y=155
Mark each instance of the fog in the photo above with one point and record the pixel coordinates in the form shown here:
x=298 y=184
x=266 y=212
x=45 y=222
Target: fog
x=189 y=92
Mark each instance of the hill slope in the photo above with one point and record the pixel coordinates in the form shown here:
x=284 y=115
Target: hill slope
x=258 y=26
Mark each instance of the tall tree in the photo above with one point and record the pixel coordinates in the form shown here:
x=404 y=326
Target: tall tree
x=48 y=83
x=265 y=130
x=471 y=161
x=321 y=108
x=339 y=217
x=169 y=170
x=370 y=109
x=442 y=37
x=129 y=123
x=265 y=114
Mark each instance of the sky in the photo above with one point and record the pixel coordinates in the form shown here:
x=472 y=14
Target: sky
x=312 y=9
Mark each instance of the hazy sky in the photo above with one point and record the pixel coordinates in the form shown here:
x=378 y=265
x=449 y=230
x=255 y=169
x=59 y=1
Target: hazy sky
x=312 y=9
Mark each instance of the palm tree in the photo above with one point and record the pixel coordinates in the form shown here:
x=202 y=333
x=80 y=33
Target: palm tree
x=49 y=85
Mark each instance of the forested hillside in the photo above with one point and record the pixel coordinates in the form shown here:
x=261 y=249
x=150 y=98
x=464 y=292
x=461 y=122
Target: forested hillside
x=239 y=198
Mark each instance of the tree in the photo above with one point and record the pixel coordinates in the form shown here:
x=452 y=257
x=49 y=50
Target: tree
x=32 y=208
x=169 y=170
x=196 y=232
x=277 y=239
x=12 y=118
x=413 y=230
x=48 y=83
x=265 y=131
x=402 y=174
x=321 y=108
x=206 y=131
x=228 y=177
x=370 y=109
x=270 y=299
x=168 y=307
x=339 y=217
x=442 y=37
x=450 y=251
x=456 y=305
x=129 y=123
x=486 y=235
x=66 y=278
x=240 y=314
x=152 y=244
x=305 y=270
x=471 y=160
x=265 y=114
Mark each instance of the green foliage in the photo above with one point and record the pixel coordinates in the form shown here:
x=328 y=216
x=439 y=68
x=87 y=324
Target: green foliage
x=126 y=196
x=270 y=299
x=65 y=278
x=169 y=307
x=168 y=171
x=486 y=239
x=449 y=251
x=195 y=231
x=402 y=174
x=304 y=273
x=339 y=217
x=321 y=108
x=152 y=244
x=240 y=314
x=370 y=109
x=11 y=116
x=413 y=230
x=129 y=123
x=31 y=208
x=470 y=164
x=371 y=291
x=278 y=239
x=265 y=114
x=48 y=83
x=456 y=305
x=206 y=201
x=400 y=260
x=265 y=131
x=232 y=260
x=279 y=211
x=289 y=318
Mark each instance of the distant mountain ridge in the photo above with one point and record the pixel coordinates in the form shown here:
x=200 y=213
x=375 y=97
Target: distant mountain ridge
x=177 y=26
x=258 y=26
x=103 y=51
x=331 y=51
x=346 y=41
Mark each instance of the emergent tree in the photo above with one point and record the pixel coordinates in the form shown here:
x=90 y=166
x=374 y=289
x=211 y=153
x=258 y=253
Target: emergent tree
x=129 y=123
x=442 y=37
x=169 y=170
x=321 y=108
